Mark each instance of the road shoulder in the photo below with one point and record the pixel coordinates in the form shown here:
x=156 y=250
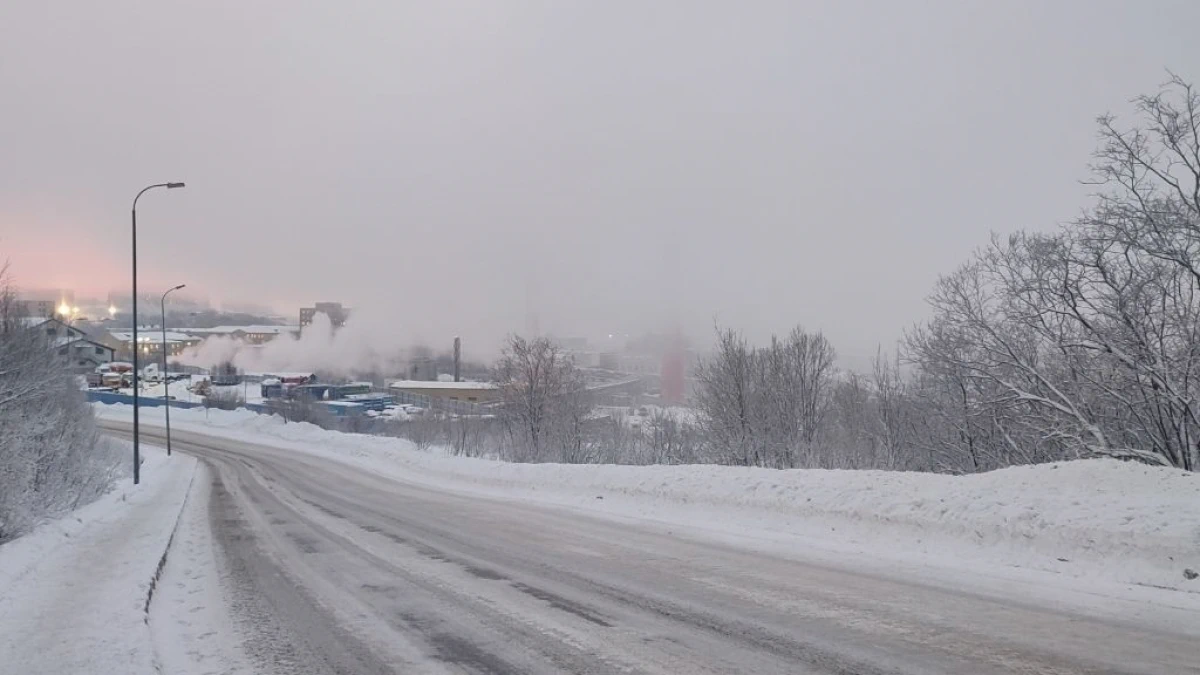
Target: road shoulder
x=74 y=592
x=189 y=618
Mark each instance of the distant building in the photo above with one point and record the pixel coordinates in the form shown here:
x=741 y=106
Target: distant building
x=82 y=354
x=570 y=344
x=470 y=392
x=47 y=303
x=53 y=328
x=150 y=342
x=43 y=309
x=334 y=310
x=255 y=335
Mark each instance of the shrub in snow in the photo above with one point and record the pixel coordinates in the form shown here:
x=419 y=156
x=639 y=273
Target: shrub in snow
x=51 y=457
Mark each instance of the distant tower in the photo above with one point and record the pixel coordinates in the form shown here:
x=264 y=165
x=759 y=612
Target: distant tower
x=457 y=358
x=672 y=374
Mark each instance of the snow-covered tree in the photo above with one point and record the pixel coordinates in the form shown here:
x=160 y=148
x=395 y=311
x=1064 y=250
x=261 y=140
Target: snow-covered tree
x=545 y=402
x=1086 y=342
x=51 y=458
x=766 y=406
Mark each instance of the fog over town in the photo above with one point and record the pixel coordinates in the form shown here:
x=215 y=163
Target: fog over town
x=540 y=337
x=456 y=168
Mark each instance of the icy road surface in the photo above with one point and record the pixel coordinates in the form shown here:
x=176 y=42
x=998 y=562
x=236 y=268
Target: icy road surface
x=330 y=569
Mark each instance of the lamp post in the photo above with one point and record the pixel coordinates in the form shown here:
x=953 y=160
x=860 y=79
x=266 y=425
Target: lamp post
x=68 y=313
x=137 y=469
x=165 y=379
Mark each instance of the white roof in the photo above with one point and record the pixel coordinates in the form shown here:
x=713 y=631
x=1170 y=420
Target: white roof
x=421 y=384
x=276 y=373
x=152 y=335
x=35 y=321
x=65 y=341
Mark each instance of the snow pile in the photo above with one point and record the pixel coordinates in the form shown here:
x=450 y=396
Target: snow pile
x=74 y=592
x=1121 y=521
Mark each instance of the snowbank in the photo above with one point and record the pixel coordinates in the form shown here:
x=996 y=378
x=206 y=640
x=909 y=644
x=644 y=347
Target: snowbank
x=74 y=592
x=1096 y=518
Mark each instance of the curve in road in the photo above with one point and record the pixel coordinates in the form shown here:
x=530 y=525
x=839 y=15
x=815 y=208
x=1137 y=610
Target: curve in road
x=332 y=569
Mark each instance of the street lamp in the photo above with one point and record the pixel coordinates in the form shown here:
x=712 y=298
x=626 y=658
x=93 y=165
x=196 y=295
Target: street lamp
x=136 y=458
x=165 y=379
x=67 y=312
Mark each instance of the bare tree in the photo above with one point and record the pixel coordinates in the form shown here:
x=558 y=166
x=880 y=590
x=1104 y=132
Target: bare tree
x=544 y=401
x=726 y=400
x=767 y=406
x=894 y=414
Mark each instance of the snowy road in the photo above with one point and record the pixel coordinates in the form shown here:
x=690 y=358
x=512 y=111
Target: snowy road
x=330 y=569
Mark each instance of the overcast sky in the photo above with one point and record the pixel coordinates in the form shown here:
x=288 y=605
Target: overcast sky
x=610 y=166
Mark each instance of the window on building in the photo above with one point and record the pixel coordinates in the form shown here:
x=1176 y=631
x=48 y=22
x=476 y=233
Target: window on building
x=51 y=331
x=63 y=351
x=99 y=351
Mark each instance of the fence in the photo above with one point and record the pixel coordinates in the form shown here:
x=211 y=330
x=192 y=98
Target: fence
x=272 y=407
x=143 y=401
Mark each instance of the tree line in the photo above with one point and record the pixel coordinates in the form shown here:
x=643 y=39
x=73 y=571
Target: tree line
x=1083 y=342
x=1078 y=343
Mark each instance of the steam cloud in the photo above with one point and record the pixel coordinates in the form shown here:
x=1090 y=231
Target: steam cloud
x=357 y=347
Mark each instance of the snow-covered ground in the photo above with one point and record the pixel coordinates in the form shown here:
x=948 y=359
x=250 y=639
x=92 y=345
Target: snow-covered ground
x=180 y=390
x=636 y=417
x=74 y=592
x=1096 y=520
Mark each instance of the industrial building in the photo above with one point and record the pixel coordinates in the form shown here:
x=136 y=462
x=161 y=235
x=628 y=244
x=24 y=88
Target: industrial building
x=334 y=310
x=470 y=392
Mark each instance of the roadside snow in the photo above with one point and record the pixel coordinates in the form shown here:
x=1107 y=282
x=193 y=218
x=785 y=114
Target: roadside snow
x=1095 y=519
x=73 y=592
x=190 y=621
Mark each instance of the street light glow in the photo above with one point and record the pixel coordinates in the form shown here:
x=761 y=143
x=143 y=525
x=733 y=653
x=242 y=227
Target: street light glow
x=112 y=311
x=64 y=309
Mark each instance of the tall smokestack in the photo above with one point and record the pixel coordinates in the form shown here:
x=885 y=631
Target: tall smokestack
x=457 y=356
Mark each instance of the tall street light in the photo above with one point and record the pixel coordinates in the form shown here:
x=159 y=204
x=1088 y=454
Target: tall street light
x=136 y=457
x=165 y=379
